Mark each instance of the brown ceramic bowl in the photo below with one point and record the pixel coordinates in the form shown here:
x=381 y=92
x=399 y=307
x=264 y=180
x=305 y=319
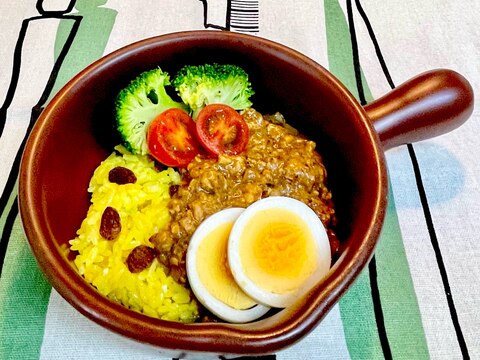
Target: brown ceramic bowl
x=73 y=135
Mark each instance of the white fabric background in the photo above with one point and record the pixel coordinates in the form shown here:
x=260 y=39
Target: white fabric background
x=416 y=36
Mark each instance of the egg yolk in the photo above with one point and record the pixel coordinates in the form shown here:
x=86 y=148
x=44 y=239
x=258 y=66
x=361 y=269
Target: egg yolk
x=278 y=251
x=214 y=272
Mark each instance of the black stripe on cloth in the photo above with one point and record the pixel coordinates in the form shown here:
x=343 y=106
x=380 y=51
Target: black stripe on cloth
x=377 y=308
x=7 y=231
x=41 y=10
x=356 y=58
x=17 y=61
x=265 y=357
x=206 y=24
x=243 y=15
x=247 y=11
x=423 y=198
x=17 y=54
x=378 y=51
x=438 y=253
x=244 y=3
x=36 y=110
x=375 y=291
x=8 y=192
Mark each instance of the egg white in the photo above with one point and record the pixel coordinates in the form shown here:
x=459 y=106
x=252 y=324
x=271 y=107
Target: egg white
x=260 y=294
x=203 y=295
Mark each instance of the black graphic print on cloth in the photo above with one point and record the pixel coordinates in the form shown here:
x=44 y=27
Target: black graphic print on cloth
x=234 y=15
x=9 y=189
x=421 y=191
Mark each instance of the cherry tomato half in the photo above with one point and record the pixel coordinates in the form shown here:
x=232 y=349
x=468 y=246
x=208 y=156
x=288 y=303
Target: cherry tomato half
x=171 y=138
x=222 y=130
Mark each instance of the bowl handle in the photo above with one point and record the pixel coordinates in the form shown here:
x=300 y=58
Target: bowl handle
x=431 y=104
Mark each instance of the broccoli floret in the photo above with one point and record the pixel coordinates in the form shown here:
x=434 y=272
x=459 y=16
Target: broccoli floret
x=138 y=104
x=213 y=83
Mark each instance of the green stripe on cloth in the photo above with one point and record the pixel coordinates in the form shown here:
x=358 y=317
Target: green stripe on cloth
x=11 y=200
x=89 y=41
x=402 y=314
x=24 y=294
x=339 y=46
x=406 y=338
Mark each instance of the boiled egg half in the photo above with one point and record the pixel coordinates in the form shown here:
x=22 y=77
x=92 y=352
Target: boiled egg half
x=209 y=272
x=278 y=250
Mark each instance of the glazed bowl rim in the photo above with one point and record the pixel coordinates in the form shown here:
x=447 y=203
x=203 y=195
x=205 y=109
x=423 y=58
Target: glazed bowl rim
x=236 y=339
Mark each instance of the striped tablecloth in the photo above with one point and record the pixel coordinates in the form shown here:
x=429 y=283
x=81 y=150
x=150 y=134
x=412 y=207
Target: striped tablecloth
x=420 y=296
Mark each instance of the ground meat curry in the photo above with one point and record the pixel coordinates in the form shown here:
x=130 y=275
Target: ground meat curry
x=278 y=162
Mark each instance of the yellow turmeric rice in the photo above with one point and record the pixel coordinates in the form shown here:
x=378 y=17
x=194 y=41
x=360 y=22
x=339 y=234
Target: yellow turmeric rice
x=142 y=207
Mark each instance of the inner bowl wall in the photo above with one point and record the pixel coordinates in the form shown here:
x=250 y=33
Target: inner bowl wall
x=75 y=133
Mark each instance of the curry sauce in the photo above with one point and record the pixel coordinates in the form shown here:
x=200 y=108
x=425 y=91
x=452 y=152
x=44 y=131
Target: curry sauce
x=278 y=162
